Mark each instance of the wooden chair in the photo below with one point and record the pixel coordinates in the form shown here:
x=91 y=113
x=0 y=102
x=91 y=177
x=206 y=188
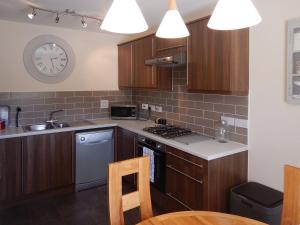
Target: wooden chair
x=291 y=200
x=118 y=203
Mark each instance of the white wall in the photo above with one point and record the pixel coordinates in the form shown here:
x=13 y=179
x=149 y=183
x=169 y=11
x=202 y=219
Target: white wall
x=96 y=59
x=274 y=124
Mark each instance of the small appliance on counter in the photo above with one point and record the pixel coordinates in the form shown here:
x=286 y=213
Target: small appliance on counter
x=123 y=112
x=4 y=116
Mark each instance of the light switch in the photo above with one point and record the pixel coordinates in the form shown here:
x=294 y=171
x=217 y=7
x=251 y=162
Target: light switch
x=104 y=104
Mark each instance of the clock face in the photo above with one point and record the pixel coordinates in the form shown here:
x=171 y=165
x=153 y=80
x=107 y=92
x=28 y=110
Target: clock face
x=50 y=59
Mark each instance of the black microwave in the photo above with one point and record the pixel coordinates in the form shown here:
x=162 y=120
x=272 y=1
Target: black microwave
x=123 y=112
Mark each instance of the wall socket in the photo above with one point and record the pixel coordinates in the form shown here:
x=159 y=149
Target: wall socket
x=158 y=108
x=104 y=104
x=230 y=121
x=152 y=108
x=241 y=123
x=145 y=106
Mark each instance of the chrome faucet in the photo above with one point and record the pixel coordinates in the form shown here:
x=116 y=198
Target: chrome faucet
x=51 y=120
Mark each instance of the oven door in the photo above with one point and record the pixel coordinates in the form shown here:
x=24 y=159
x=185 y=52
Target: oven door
x=159 y=165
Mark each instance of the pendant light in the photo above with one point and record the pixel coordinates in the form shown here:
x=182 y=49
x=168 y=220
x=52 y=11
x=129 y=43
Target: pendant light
x=172 y=25
x=233 y=15
x=124 y=17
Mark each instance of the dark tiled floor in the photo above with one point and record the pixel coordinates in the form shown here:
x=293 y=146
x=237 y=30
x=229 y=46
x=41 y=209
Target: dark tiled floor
x=82 y=208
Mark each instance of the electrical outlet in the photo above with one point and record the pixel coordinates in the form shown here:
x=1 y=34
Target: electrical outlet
x=229 y=120
x=152 y=108
x=145 y=106
x=241 y=123
x=158 y=108
x=104 y=104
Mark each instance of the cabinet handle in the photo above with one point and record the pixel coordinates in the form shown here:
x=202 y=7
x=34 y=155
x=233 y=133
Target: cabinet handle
x=174 y=198
x=1 y=171
x=179 y=157
x=184 y=174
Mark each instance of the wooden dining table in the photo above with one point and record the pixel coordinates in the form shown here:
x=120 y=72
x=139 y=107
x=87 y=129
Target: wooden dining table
x=199 y=218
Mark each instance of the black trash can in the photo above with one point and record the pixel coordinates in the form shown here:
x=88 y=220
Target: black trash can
x=257 y=201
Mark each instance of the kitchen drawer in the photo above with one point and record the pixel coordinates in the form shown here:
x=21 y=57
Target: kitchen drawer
x=189 y=165
x=184 y=189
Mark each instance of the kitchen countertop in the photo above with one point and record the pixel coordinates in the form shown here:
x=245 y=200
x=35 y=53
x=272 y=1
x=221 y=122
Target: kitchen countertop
x=208 y=149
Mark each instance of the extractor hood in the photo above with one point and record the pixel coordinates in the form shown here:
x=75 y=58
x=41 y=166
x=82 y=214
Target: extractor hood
x=178 y=59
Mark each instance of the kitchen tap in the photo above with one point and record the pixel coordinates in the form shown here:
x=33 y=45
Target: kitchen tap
x=51 y=120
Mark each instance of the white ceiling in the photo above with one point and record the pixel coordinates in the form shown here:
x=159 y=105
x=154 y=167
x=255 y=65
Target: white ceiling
x=153 y=10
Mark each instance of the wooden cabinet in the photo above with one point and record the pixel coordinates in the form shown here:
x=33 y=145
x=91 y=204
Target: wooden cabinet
x=196 y=184
x=10 y=169
x=218 y=61
x=47 y=161
x=125 y=65
x=133 y=73
x=163 y=44
x=144 y=76
x=125 y=148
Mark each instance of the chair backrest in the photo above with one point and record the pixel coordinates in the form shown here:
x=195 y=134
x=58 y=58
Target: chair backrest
x=118 y=203
x=291 y=196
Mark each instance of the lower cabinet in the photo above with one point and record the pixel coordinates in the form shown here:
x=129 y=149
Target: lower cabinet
x=47 y=161
x=125 y=149
x=196 y=184
x=10 y=169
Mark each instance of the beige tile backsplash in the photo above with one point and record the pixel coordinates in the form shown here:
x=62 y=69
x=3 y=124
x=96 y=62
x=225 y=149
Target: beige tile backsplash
x=199 y=112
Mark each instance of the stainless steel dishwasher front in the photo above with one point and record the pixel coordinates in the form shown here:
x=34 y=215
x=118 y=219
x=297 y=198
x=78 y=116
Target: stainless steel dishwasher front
x=94 y=151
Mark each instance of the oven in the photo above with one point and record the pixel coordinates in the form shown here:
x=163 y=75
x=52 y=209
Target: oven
x=158 y=152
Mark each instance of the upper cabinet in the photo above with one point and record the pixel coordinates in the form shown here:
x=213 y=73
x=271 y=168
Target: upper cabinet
x=218 y=61
x=144 y=76
x=133 y=73
x=126 y=57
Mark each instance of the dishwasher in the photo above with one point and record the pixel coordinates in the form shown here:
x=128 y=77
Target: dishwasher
x=94 y=151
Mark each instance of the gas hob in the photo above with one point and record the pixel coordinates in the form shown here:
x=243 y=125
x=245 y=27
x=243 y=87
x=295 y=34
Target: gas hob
x=168 y=131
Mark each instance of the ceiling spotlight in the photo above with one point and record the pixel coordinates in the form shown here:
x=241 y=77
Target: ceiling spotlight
x=83 y=23
x=32 y=14
x=57 y=18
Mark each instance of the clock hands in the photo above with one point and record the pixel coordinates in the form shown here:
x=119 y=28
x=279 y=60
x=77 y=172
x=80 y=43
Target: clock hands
x=52 y=61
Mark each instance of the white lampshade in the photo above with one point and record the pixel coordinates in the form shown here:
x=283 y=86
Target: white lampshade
x=124 y=17
x=233 y=15
x=172 y=25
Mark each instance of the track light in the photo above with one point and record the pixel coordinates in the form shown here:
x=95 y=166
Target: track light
x=83 y=23
x=32 y=14
x=57 y=18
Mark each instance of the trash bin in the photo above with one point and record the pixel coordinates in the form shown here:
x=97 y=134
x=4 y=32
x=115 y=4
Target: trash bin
x=257 y=201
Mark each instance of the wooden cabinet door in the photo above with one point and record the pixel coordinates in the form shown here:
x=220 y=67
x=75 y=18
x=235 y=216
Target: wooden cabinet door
x=10 y=169
x=162 y=44
x=184 y=189
x=125 y=149
x=125 y=62
x=47 y=161
x=208 y=58
x=144 y=76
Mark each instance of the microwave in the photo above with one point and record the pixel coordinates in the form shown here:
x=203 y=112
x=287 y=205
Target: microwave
x=123 y=112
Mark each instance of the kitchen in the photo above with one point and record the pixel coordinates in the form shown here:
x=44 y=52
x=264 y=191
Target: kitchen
x=98 y=81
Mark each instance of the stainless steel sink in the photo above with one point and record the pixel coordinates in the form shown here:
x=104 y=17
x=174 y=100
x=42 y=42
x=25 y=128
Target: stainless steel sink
x=45 y=126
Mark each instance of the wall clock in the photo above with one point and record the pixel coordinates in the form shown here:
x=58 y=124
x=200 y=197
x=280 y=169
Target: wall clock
x=49 y=59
